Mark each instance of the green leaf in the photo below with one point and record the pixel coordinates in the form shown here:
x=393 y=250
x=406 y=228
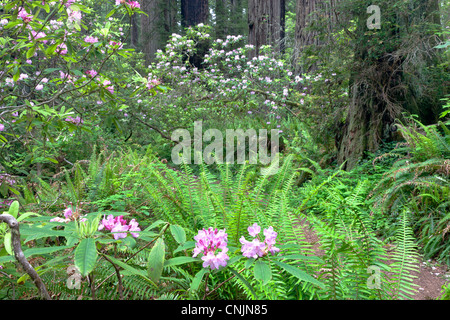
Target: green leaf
x=180 y=260
x=131 y=270
x=16 y=77
x=52 y=160
x=154 y=224
x=110 y=13
x=300 y=274
x=86 y=256
x=156 y=260
x=245 y=282
x=50 y=49
x=249 y=262
x=26 y=215
x=198 y=279
x=262 y=271
x=178 y=233
x=31 y=52
x=7 y=243
x=34 y=232
x=50 y=70
x=46 y=250
x=297 y=257
x=185 y=246
x=14 y=209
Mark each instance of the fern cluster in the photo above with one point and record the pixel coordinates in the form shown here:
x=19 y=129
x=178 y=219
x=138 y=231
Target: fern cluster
x=420 y=181
x=351 y=249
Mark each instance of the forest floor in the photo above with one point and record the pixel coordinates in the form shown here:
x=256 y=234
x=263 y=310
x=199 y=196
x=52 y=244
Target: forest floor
x=429 y=278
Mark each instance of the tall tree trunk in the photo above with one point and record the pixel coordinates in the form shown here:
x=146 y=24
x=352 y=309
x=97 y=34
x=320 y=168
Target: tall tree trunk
x=266 y=24
x=386 y=66
x=303 y=36
x=308 y=13
x=134 y=31
x=194 y=12
x=150 y=31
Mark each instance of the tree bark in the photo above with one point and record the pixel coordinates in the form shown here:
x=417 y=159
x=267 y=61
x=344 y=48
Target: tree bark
x=194 y=12
x=386 y=68
x=266 y=24
x=308 y=13
x=20 y=257
x=134 y=31
x=303 y=36
x=150 y=31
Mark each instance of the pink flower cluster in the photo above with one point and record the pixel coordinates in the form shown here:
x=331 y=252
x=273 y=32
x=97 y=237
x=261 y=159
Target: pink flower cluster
x=152 y=82
x=68 y=216
x=90 y=39
x=91 y=73
x=61 y=49
x=25 y=16
x=257 y=248
x=119 y=226
x=132 y=4
x=5 y=203
x=209 y=242
x=76 y=121
x=2 y=127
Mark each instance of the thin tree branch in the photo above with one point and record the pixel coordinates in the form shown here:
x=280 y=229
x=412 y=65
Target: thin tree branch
x=20 y=257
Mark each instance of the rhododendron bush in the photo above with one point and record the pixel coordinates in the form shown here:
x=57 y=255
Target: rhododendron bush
x=55 y=73
x=227 y=86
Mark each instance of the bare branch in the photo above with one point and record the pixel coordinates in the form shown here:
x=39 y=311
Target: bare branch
x=20 y=257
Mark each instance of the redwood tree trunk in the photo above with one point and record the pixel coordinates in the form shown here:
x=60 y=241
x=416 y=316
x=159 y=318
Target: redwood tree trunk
x=303 y=36
x=266 y=24
x=383 y=82
x=194 y=12
x=150 y=33
x=308 y=13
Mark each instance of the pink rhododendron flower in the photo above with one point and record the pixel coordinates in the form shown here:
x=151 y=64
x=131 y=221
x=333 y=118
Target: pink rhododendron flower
x=152 y=82
x=257 y=248
x=91 y=73
x=134 y=5
x=119 y=226
x=68 y=213
x=60 y=220
x=2 y=127
x=134 y=226
x=252 y=249
x=254 y=230
x=69 y=3
x=35 y=36
x=90 y=39
x=25 y=16
x=61 y=49
x=107 y=223
x=115 y=44
x=74 y=16
x=76 y=121
x=119 y=231
x=209 y=242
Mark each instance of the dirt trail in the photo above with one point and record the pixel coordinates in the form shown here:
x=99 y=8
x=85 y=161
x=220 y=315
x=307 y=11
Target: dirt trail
x=430 y=278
